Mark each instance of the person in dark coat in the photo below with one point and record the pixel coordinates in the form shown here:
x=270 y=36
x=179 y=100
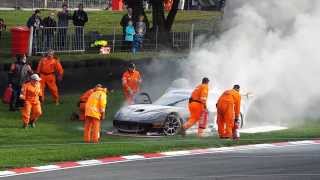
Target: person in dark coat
x=3 y=26
x=50 y=25
x=19 y=73
x=124 y=23
x=79 y=17
x=63 y=22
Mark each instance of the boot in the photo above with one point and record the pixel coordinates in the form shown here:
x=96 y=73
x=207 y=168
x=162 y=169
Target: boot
x=32 y=124
x=182 y=132
x=25 y=126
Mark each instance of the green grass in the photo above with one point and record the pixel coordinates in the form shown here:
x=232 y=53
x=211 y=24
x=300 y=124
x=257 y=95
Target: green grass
x=57 y=139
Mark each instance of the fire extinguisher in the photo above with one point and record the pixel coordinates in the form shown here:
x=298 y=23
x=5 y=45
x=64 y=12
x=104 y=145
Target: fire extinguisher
x=236 y=127
x=7 y=95
x=203 y=119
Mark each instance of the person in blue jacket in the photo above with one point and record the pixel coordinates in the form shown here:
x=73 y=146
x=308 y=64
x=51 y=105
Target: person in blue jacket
x=130 y=32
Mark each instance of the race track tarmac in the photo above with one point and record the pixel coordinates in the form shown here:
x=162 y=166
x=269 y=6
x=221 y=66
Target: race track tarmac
x=280 y=163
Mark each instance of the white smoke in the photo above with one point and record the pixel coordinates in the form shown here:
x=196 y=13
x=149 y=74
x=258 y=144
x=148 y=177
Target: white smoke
x=271 y=49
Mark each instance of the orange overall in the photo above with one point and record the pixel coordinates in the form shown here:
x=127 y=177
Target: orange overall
x=94 y=113
x=197 y=105
x=228 y=109
x=83 y=100
x=31 y=110
x=47 y=68
x=131 y=85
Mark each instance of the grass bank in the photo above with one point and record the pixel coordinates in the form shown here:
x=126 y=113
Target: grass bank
x=57 y=139
x=103 y=22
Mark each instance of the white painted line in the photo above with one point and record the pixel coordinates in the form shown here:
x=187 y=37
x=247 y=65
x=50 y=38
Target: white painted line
x=7 y=173
x=262 y=145
x=133 y=157
x=221 y=149
x=89 y=162
x=48 y=167
x=302 y=142
x=176 y=153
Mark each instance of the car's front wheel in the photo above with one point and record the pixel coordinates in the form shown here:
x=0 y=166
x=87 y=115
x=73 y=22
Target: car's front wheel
x=172 y=125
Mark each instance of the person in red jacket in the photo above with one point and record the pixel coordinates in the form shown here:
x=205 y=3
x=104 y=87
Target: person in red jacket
x=197 y=106
x=48 y=67
x=31 y=94
x=131 y=80
x=228 y=109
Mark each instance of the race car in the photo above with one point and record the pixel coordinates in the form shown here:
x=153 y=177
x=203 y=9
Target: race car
x=165 y=116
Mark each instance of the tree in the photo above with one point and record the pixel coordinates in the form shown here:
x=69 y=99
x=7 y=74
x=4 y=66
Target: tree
x=160 y=23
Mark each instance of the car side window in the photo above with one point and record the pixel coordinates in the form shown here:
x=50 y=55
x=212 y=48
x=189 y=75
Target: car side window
x=182 y=104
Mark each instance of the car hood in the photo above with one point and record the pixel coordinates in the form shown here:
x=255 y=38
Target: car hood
x=142 y=112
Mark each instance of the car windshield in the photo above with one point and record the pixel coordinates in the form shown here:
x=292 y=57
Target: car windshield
x=170 y=99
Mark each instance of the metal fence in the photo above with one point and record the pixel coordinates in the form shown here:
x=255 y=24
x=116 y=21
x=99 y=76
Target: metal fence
x=61 y=39
x=43 y=4
x=76 y=39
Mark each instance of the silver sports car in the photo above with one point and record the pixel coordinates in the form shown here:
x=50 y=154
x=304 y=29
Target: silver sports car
x=165 y=116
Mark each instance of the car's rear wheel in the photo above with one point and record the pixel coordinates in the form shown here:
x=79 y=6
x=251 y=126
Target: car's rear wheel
x=172 y=125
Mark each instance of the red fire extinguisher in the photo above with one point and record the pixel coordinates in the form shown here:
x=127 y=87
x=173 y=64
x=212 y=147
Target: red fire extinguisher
x=6 y=98
x=236 y=127
x=203 y=122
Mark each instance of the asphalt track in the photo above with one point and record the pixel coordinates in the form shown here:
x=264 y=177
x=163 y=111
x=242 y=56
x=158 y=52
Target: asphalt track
x=279 y=163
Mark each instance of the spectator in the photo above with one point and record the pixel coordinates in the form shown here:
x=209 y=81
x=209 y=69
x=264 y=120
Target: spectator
x=130 y=32
x=139 y=36
x=79 y=17
x=19 y=73
x=3 y=26
x=35 y=20
x=50 y=27
x=124 y=23
x=63 y=22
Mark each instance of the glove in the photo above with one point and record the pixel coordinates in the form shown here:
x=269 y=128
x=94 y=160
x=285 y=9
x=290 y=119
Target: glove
x=40 y=99
x=59 y=77
x=130 y=91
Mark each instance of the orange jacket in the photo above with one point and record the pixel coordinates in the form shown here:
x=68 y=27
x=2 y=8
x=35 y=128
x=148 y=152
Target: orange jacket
x=96 y=104
x=49 y=65
x=200 y=93
x=84 y=97
x=131 y=80
x=231 y=96
x=31 y=92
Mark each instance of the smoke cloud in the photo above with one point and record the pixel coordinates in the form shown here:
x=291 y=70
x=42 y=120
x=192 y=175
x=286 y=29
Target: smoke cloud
x=271 y=49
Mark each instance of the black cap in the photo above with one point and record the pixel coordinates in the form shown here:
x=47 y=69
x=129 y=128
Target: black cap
x=205 y=80
x=236 y=86
x=132 y=66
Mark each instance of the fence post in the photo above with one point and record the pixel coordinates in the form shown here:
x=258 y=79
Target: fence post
x=83 y=43
x=45 y=3
x=191 y=36
x=30 y=41
x=114 y=39
x=157 y=29
x=173 y=39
